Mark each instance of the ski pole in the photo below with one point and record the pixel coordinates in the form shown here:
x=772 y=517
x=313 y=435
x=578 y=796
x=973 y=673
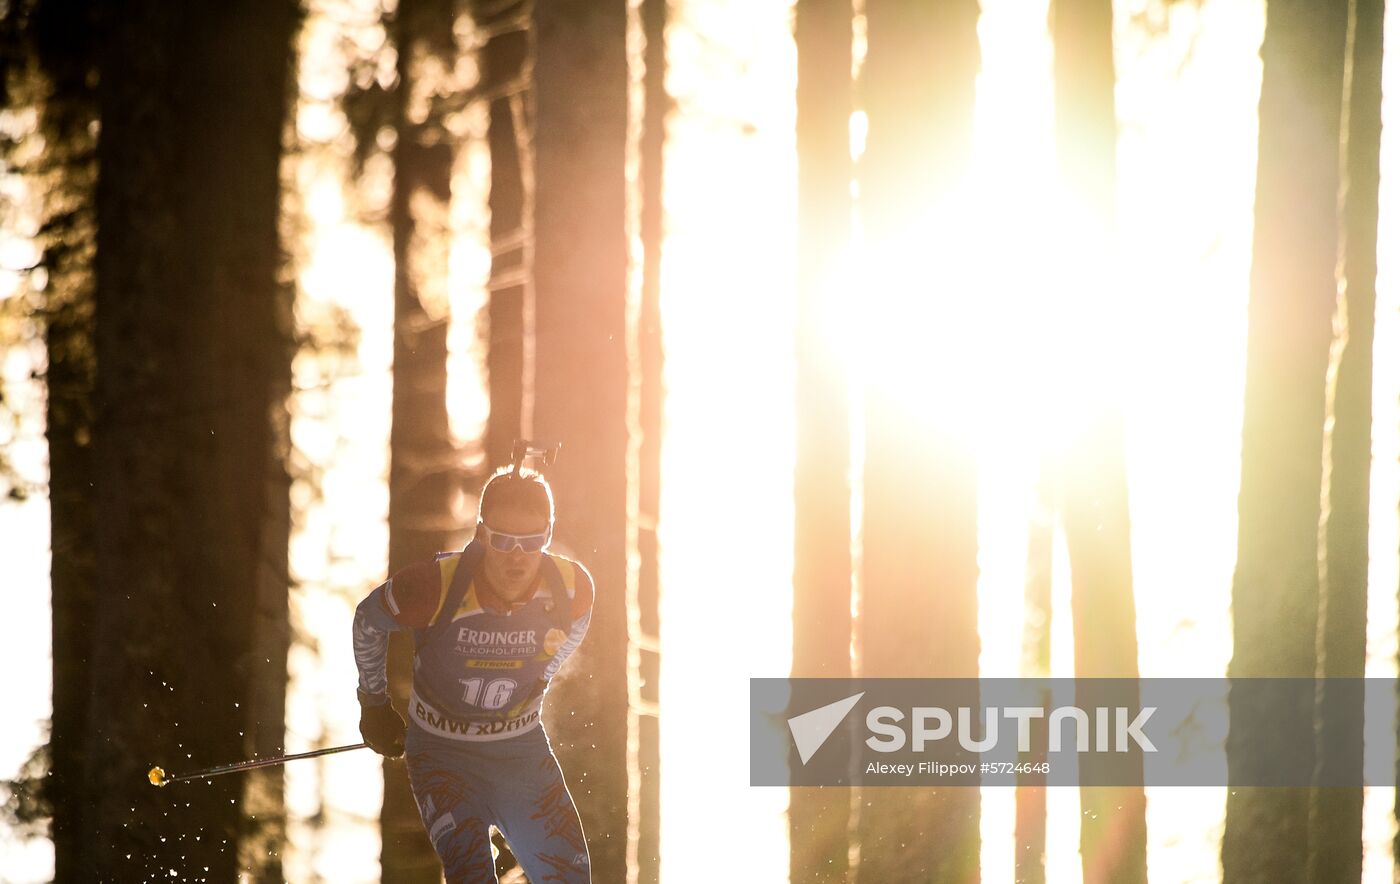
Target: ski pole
x=158 y=777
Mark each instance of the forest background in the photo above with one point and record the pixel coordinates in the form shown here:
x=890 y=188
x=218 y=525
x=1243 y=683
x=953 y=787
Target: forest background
x=883 y=338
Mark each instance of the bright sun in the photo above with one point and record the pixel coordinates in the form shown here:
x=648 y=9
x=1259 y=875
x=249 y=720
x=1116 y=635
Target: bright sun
x=1063 y=318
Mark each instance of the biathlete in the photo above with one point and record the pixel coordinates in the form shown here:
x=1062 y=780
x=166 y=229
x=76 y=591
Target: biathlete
x=491 y=624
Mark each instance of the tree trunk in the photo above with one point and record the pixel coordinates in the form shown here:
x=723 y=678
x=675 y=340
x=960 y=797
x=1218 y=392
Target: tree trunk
x=193 y=364
x=650 y=365
x=1094 y=505
x=505 y=84
x=821 y=581
x=1035 y=663
x=580 y=394
x=1293 y=292
x=919 y=538
x=1336 y=813
x=424 y=470
x=1093 y=492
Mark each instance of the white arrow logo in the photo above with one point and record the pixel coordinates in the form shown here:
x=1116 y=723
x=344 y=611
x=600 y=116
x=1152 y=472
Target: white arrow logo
x=811 y=729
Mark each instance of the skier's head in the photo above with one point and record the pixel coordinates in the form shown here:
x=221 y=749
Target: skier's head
x=512 y=488
x=515 y=527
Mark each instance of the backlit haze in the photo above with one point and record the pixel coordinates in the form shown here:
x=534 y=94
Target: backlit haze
x=1173 y=293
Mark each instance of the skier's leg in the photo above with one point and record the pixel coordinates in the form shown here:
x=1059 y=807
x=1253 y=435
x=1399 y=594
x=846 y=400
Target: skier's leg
x=538 y=819
x=453 y=807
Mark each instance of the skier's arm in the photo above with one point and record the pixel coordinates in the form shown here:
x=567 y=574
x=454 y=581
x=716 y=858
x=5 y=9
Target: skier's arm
x=581 y=614
x=406 y=601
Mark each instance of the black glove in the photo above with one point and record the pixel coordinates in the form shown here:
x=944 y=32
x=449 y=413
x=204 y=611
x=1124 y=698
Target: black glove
x=383 y=728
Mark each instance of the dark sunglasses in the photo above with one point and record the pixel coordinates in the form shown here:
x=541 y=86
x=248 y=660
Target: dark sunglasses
x=503 y=542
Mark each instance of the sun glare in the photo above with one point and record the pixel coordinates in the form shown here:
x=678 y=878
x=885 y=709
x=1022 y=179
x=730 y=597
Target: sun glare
x=340 y=433
x=24 y=512
x=1011 y=305
x=727 y=292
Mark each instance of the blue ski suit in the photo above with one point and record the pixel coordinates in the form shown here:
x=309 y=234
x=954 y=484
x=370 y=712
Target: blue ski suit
x=476 y=750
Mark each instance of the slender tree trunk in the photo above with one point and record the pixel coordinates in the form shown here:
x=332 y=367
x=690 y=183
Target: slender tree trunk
x=919 y=537
x=580 y=395
x=1094 y=505
x=1336 y=813
x=505 y=83
x=1293 y=292
x=1093 y=493
x=424 y=471
x=192 y=366
x=1086 y=121
x=1035 y=663
x=650 y=365
x=818 y=818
